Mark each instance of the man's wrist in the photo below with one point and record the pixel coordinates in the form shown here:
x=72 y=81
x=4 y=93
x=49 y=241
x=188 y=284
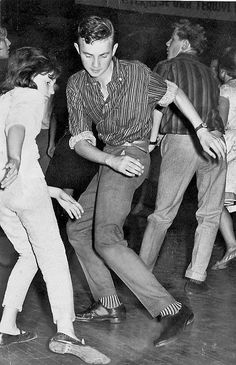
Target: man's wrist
x=200 y=126
x=107 y=159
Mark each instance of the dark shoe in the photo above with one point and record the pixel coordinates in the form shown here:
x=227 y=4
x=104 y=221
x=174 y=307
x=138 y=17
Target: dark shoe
x=63 y=344
x=173 y=326
x=195 y=287
x=97 y=313
x=6 y=339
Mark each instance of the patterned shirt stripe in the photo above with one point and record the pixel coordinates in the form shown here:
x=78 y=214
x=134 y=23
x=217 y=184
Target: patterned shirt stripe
x=126 y=115
x=196 y=80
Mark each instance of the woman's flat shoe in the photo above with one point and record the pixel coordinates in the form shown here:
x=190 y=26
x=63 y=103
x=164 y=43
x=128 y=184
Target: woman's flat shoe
x=64 y=344
x=223 y=263
x=24 y=336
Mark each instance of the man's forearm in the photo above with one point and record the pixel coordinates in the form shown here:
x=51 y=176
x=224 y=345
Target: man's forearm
x=210 y=142
x=156 y=125
x=90 y=152
x=186 y=107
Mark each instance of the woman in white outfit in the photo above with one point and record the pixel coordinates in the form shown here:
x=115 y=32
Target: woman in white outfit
x=26 y=212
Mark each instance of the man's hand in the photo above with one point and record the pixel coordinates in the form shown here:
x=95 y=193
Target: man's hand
x=126 y=165
x=213 y=145
x=12 y=169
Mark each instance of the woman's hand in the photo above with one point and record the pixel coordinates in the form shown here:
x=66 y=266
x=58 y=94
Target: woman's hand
x=51 y=150
x=71 y=206
x=12 y=169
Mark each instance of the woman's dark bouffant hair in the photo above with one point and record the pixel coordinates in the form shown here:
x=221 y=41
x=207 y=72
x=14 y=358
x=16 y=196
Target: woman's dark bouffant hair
x=26 y=63
x=228 y=61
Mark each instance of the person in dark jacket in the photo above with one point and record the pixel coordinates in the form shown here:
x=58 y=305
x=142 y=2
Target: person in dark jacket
x=183 y=156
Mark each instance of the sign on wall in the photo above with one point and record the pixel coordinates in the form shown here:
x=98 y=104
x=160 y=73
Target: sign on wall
x=219 y=10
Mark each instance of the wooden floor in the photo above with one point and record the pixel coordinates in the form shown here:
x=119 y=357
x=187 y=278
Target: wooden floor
x=211 y=340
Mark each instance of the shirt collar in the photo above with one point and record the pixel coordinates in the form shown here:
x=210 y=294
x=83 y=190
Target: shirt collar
x=118 y=71
x=118 y=74
x=188 y=55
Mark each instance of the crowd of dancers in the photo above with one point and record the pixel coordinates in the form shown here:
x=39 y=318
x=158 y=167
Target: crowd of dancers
x=130 y=107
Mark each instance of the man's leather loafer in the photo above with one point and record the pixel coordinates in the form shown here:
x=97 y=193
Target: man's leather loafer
x=196 y=287
x=173 y=325
x=64 y=344
x=24 y=336
x=97 y=313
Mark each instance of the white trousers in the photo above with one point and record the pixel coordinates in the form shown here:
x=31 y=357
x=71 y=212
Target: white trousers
x=28 y=219
x=181 y=159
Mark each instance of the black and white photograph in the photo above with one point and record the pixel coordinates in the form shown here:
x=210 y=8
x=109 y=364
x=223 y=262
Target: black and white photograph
x=117 y=182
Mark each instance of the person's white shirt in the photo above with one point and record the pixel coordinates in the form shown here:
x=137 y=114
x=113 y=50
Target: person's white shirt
x=22 y=106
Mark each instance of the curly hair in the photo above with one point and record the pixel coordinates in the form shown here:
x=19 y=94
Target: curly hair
x=194 y=33
x=26 y=63
x=228 y=61
x=94 y=28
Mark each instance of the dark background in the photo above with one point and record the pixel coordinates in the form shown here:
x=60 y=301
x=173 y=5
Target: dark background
x=52 y=24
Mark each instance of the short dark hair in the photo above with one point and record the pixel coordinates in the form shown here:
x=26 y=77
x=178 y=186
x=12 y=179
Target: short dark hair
x=27 y=62
x=95 y=28
x=228 y=61
x=194 y=33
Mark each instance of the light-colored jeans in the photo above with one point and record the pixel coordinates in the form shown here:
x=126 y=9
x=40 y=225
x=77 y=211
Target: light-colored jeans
x=107 y=202
x=27 y=218
x=181 y=159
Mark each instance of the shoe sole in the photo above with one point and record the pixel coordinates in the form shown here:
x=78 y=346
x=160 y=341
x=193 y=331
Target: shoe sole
x=223 y=265
x=219 y=267
x=85 y=353
x=173 y=339
x=111 y=320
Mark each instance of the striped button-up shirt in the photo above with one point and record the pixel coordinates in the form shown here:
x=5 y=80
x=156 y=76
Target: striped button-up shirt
x=196 y=80
x=126 y=114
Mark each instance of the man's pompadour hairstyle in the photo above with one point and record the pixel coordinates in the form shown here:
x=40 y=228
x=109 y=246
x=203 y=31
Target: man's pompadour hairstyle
x=95 y=28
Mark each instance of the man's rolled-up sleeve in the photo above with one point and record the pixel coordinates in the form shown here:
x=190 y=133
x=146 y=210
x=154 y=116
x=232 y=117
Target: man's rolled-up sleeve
x=163 y=91
x=170 y=94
